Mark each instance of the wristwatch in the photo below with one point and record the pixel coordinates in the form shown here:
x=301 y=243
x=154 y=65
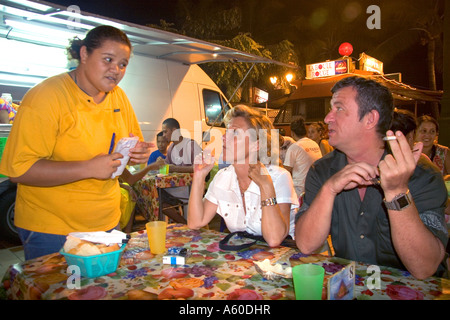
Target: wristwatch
x=269 y=202
x=399 y=202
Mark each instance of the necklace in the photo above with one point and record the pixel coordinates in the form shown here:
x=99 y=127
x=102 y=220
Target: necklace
x=242 y=190
x=73 y=75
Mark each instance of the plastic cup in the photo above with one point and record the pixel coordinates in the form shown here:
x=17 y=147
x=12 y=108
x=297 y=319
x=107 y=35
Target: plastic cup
x=308 y=281
x=164 y=169
x=156 y=233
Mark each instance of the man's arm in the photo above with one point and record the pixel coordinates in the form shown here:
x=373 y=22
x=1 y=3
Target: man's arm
x=419 y=250
x=313 y=227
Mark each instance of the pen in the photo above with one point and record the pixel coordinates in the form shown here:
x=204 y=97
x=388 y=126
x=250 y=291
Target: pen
x=111 y=146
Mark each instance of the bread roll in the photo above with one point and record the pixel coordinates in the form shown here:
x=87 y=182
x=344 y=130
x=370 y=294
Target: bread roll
x=78 y=247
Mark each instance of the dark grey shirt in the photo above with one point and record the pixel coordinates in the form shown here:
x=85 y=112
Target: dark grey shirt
x=360 y=231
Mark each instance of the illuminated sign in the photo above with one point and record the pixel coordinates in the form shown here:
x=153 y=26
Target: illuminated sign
x=328 y=68
x=260 y=96
x=368 y=63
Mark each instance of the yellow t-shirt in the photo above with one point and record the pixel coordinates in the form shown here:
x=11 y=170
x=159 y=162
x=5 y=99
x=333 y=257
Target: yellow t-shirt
x=58 y=121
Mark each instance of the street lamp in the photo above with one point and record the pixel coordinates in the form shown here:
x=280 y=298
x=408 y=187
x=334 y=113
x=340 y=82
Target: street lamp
x=289 y=77
x=273 y=80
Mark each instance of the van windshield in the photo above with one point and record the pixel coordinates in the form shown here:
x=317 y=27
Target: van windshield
x=214 y=105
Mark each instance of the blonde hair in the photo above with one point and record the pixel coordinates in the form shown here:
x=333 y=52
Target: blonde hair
x=257 y=121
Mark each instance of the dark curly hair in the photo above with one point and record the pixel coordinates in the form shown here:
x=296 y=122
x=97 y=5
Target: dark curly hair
x=94 y=39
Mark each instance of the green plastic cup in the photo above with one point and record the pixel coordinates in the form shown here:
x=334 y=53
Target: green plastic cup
x=308 y=281
x=164 y=169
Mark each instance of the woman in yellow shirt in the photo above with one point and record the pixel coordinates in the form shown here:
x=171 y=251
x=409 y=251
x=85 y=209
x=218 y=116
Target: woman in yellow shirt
x=57 y=151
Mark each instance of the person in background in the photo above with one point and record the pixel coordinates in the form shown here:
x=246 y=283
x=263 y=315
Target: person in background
x=427 y=133
x=162 y=145
x=380 y=208
x=249 y=195
x=300 y=155
x=60 y=162
x=182 y=151
x=428 y=130
x=316 y=132
x=180 y=158
x=285 y=143
x=405 y=121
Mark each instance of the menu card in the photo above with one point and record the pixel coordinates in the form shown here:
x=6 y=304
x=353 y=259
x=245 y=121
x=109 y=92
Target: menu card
x=341 y=285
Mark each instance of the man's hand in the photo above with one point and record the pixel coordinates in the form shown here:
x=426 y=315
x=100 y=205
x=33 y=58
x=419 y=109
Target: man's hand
x=352 y=176
x=397 y=168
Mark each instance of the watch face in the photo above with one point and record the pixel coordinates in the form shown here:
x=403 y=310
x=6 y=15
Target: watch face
x=403 y=201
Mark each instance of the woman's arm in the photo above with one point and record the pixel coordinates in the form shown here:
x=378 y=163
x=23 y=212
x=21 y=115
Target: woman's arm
x=133 y=178
x=48 y=173
x=200 y=212
x=275 y=219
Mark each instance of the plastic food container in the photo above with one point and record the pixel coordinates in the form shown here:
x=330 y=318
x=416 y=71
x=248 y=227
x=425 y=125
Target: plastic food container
x=97 y=265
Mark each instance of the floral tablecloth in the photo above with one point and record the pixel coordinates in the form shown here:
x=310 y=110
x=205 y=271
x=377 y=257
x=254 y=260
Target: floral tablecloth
x=209 y=273
x=147 y=203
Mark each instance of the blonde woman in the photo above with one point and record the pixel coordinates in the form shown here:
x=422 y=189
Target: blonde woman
x=249 y=195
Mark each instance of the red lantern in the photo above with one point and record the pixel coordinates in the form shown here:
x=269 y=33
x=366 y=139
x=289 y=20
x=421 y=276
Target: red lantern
x=345 y=49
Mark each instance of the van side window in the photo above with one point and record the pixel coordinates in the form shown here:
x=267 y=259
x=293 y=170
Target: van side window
x=214 y=104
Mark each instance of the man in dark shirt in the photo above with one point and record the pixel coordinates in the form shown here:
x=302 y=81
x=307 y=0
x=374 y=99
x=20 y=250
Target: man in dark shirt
x=348 y=191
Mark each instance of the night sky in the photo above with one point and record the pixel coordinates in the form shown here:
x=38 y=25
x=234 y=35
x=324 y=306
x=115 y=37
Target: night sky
x=411 y=63
x=139 y=12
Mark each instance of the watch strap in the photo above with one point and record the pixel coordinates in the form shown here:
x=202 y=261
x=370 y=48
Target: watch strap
x=269 y=202
x=399 y=202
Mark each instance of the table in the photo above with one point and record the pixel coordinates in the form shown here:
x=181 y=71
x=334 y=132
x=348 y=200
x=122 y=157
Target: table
x=149 y=188
x=209 y=274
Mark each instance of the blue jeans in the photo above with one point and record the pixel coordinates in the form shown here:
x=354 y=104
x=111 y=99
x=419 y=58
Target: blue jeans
x=36 y=244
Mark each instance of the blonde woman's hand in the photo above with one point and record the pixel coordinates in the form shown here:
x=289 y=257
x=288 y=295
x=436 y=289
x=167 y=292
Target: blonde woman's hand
x=203 y=163
x=259 y=174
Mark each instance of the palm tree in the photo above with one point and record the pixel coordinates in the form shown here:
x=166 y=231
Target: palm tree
x=413 y=22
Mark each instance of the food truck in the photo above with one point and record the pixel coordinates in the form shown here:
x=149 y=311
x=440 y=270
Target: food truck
x=163 y=78
x=312 y=95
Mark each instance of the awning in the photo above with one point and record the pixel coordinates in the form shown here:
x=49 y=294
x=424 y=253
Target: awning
x=314 y=88
x=37 y=16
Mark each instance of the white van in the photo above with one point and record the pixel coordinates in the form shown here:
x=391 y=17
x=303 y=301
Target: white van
x=162 y=80
x=160 y=89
